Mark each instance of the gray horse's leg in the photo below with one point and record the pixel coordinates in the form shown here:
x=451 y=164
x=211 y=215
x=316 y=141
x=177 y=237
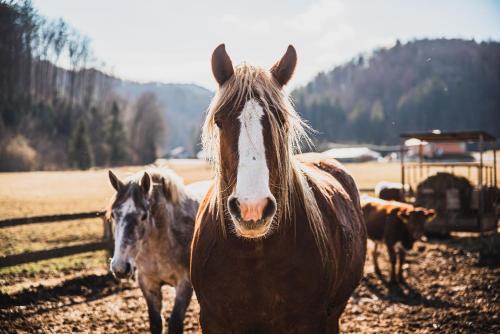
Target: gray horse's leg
x=183 y=293
x=152 y=292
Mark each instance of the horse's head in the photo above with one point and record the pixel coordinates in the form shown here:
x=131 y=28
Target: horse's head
x=130 y=213
x=249 y=133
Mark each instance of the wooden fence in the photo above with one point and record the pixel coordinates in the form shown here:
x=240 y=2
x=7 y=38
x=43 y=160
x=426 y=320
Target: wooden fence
x=105 y=244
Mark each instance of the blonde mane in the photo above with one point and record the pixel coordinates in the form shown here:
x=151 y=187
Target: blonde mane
x=288 y=132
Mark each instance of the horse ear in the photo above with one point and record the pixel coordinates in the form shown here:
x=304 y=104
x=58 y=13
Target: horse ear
x=115 y=182
x=169 y=190
x=222 y=67
x=166 y=189
x=145 y=183
x=282 y=71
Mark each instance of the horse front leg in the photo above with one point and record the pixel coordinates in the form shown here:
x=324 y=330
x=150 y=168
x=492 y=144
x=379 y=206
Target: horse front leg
x=151 y=290
x=183 y=293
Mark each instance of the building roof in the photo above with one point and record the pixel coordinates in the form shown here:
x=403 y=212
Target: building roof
x=352 y=153
x=438 y=136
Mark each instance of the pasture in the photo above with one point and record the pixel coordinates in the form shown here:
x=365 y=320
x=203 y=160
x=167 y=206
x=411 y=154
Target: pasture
x=448 y=289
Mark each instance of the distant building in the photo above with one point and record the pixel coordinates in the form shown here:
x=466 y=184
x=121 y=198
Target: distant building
x=434 y=150
x=178 y=153
x=353 y=154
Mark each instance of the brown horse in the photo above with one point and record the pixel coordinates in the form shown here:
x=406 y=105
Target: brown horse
x=279 y=245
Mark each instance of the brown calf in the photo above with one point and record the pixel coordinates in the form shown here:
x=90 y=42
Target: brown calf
x=396 y=224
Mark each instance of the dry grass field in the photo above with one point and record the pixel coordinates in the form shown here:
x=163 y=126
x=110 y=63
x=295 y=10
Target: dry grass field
x=39 y=193
x=43 y=193
x=446 y=291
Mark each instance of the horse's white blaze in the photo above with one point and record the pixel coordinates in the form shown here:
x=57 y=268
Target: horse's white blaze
x=252 y=183
x=121 y=212
x=127 y=207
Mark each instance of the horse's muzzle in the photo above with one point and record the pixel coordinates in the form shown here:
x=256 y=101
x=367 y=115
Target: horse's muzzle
x=252 y=219
x=252 y=229
x=121 y=269
x=263 y=209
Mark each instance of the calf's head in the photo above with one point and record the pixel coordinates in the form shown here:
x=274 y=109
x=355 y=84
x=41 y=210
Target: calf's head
x=415 y=219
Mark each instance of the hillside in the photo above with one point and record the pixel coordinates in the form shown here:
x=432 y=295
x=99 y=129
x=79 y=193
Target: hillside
x=421 y=85
x=59 y=109
x=182 y=105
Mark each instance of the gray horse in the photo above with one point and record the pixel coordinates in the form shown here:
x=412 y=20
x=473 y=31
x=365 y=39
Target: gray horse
x=154 y=217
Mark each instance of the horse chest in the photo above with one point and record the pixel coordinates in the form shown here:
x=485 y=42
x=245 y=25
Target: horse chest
x=266 y=282
x=162 y=265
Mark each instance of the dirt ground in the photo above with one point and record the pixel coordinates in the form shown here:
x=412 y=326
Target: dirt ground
x=447 y=290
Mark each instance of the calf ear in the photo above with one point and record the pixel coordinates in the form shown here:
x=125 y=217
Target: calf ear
x=403 y=215
x=282 y=71
x=115 y=182
x=222 y=67
x=430 y=215
x=146 y=183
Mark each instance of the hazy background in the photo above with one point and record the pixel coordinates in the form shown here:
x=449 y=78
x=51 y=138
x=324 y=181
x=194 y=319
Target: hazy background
x=105 y=83
x=171 y=41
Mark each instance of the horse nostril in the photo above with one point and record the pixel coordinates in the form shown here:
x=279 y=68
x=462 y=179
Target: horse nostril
x=270 y=208
x=121 y=270
x=234 y=207
x=127 y=270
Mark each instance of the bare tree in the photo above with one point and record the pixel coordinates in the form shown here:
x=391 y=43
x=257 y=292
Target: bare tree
x=58 y=44
x=146 y=128
x=47 y=35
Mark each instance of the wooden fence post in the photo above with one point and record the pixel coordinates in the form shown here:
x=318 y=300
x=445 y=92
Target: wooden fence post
x=107 y=235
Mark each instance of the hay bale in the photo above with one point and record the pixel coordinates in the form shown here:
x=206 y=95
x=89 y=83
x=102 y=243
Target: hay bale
x=431 y=193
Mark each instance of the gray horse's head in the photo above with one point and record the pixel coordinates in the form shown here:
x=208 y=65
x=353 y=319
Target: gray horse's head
x=130 y=212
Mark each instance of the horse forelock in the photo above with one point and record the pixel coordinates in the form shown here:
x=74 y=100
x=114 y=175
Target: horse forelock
x=162 y=180
x=130 y=192
x=288 y=133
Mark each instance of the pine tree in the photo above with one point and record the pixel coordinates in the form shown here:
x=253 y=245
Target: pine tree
x=80 y=152
x=116 y=139
x=98 y=126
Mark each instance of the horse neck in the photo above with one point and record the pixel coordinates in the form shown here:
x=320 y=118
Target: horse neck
x=157 y=226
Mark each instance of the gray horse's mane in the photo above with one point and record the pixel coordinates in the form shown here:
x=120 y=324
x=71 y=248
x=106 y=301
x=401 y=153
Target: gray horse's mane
x=173 y=183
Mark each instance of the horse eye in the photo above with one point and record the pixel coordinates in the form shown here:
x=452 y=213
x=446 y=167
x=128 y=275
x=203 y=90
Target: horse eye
x=219 y=124
x=144 y=216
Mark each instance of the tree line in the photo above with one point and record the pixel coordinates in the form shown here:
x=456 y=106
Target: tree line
x=418 y=86
x=57 y=107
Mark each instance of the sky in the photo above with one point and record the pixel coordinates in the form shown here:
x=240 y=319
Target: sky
x=172 y=41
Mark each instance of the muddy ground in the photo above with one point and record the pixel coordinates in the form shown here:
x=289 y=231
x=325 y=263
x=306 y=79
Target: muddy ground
x=448 y=289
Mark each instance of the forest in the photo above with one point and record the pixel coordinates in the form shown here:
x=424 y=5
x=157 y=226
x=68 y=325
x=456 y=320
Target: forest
x=417 y=86
x=57 y=107
x=60 y=107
